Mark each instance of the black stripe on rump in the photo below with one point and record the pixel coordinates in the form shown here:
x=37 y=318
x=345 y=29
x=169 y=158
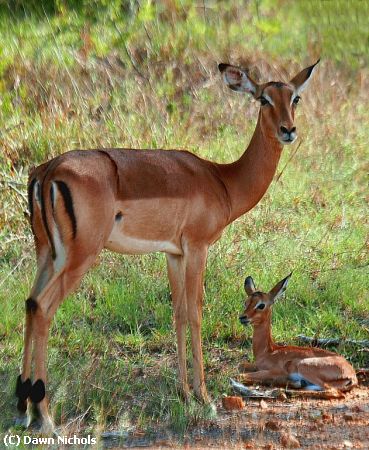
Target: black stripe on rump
x=68 y=203
x=31 y=186
x=44 y=220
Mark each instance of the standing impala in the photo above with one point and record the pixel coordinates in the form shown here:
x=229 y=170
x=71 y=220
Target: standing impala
x=141 y=201
x=313 y=369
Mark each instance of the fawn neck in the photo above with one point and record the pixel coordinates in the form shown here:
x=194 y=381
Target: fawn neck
x=248 y=178
x=262 y=341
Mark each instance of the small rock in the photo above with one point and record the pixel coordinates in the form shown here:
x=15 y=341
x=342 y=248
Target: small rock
x=273 y=425
x=327 y=417
x=263 y=404
x=289 y=441
x=348 y=417
x=233 y=403
x=347 y=444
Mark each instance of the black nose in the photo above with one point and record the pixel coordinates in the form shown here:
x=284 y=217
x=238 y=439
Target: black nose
x=244 y=320
x=287 y=131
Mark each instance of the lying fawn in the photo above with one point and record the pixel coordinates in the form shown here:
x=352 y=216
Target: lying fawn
x=309 y=368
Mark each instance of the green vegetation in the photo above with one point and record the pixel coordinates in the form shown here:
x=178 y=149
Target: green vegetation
x=143 y=74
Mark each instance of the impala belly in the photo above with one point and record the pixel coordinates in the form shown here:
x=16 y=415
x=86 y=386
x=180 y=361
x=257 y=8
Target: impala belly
x=124 y=243
x=139 y=228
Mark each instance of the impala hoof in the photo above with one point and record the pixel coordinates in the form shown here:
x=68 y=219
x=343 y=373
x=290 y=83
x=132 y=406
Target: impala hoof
x=44 y=426
x=22 y=421
x=40 y=420
x=203 y=397
x=184 y=392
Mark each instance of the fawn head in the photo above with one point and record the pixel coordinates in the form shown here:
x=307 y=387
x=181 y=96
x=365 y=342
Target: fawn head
x=278 y=100
x=258 y=304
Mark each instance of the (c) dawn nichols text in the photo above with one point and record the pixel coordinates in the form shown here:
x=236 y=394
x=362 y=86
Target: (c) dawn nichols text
x=66 y=440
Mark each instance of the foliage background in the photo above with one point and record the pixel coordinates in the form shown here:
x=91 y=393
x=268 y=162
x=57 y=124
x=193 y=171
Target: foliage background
x=85 y=74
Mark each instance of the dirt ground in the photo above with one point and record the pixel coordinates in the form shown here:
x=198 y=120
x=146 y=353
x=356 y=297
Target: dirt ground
x=274 y=424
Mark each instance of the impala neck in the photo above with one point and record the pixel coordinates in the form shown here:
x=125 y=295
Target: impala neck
x=248 y=178
x=262 y=341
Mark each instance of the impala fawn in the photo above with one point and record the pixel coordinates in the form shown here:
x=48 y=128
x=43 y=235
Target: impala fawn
x=309 y=368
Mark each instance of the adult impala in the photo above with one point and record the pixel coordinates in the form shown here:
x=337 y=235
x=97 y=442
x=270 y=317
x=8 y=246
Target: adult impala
x=312 y=369
x=141 y=201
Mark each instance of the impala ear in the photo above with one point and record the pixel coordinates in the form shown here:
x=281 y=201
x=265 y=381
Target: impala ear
x=238 y=80
x=249 y=286
x=301 y=80
x=279 y=288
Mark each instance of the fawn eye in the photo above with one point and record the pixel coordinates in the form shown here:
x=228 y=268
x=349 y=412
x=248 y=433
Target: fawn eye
x=264 y=101
x=261 y=306
x=296 y=100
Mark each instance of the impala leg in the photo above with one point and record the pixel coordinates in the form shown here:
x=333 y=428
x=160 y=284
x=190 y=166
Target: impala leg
x=195 y=267
x=23 y=387
x=42 y=321
x=265 y=376
x=246 y=366
x=314 y=376
x=46 y=305
x=24 y=384
x=176 y=279
x=36 y=318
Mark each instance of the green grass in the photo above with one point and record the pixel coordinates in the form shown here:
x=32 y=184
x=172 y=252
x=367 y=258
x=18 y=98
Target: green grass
x=86 y=77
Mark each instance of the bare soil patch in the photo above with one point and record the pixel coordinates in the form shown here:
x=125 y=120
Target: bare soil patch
x=294 y=423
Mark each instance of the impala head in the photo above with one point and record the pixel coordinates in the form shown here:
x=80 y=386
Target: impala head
x=278 y=100
x=258 y=304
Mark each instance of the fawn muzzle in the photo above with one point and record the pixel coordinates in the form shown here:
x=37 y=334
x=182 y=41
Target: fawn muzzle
x=244 y=320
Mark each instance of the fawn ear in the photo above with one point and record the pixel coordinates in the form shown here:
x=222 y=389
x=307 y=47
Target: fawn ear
x=249 y=286
x=301 y=80
x=238 y=80
x=279 y=288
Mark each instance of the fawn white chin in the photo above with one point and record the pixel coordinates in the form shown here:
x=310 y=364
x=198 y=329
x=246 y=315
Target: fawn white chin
x=308 y=368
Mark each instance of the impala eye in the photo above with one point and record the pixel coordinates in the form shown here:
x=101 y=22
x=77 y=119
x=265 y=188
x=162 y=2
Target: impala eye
x=296 y=100
x=261 y=306
x=264 y=101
